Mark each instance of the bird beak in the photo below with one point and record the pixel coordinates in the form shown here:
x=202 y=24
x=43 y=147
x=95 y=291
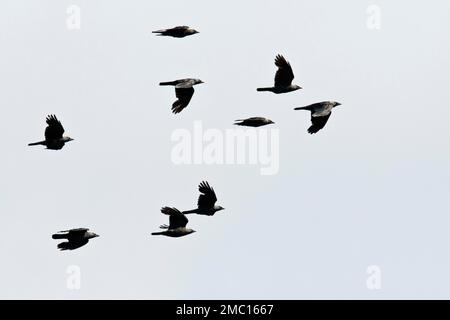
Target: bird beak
x=337 y=104
x=96 y=235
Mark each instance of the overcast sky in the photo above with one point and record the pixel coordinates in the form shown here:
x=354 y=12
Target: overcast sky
x=372 y=188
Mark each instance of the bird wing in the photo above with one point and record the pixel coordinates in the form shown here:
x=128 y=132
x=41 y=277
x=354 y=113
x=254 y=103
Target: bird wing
x=255 y=119
x=318 y=122
x=284 y=74
x=77 y=232
x=180 y=28
x=72 y=244
x=54 y=128
x=207 y=198
x=176 y=218
x=184 y=95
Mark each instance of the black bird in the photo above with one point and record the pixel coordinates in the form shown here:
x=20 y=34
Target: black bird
x=320 y=112
x=283 y=77
x=206 y=201
x=177 y=32
x=177 y=224
x=54 y=138
x=184 y=91
x=253 y=122
x=76 y=238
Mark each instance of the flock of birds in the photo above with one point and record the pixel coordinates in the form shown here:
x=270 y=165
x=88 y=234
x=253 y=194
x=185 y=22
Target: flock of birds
x=184 y=90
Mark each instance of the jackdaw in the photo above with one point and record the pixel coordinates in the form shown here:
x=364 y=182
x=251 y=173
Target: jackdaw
x=320 y=112
x=184 y=91
x=177 y=224
x=177 y=32
x=54 y=138
x=283 y=77
x=206 y=201
x=76 y=238
x=253 y=122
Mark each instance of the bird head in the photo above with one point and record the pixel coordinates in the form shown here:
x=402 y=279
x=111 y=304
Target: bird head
x=296 y=87
x=220 y=208
x=270 y=121
x=192 y=31
x=335 y=104
x=198 y=81
x=67 y=139
x=91 y=235
x=189 y=231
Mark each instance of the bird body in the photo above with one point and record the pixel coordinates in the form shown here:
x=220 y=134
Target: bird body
x=184 y=90
x=176 y=32
x=320 y=113
x=177 y=224
x=54 y=139
x=253 y=122
x=206 y=201
x=283 y=78
x=76 y=238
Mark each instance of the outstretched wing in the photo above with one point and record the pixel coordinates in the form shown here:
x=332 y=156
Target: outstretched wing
x=207 y=198
x=76 y=230
x=284 y=74
x=318 y=122
x=184 y=95
x=181 y=28
x=72 y=244
x=176 y=218
x=54 y=128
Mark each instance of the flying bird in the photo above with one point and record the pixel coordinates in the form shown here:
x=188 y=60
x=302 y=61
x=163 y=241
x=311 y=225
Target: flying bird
x=320 y=112
x=206 y=204
x=184 y=90
x=253 y=122
x=283 y=77
x=54 y=138
x=76 y=238
x=177 y=224
x=177 y=32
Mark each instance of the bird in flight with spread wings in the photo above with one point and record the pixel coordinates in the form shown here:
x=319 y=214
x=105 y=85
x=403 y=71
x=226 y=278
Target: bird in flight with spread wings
x=76 y=238
x=320 y=113
x=206 y=204
x=177 y=32
x=177 y=224
x=283 y=77
x=184 y=90
x=253 y=122
x=54 y=139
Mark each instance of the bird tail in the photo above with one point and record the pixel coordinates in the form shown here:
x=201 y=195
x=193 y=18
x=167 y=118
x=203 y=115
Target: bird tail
x=157 y=233
x=159 y=31
x=59 y=236
x=190 y=211
x=169 y=83
x=264 y=89
x=37 y=143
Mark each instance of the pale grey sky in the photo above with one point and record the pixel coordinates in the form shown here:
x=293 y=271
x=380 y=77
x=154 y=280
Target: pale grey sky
x=372 y=188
